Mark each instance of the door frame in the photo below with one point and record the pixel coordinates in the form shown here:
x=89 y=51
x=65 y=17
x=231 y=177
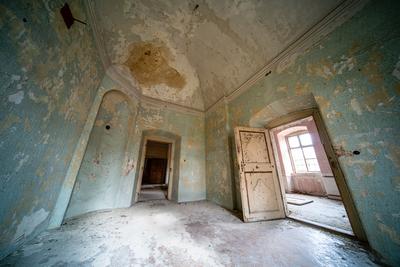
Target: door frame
x=170 y=164
x=338 y=174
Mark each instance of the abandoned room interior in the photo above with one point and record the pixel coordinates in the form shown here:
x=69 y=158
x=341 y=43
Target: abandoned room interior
x=200 y=133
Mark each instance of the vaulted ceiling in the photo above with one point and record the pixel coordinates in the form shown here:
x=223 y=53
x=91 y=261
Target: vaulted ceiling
x=192 y=53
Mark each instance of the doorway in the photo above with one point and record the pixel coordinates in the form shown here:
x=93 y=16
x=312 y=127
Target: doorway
x=156 y=171
x=313 y=186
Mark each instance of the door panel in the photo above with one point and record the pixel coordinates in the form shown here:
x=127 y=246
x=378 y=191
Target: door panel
x=263 y=195
x=254 y=147
x=259 y=184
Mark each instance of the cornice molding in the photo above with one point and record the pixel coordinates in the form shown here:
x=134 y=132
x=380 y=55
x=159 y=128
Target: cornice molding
x=222 y=101
x=98 y=36
x=172 y=106
x=126 y=84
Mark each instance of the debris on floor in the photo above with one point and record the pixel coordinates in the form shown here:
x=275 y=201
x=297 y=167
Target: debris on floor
x=297 y=201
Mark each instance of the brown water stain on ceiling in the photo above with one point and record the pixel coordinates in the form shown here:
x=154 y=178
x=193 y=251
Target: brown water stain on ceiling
x=148 y=63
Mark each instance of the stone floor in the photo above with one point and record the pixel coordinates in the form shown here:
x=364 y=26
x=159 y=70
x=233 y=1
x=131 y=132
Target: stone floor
x=161 y=233
x=323 y=211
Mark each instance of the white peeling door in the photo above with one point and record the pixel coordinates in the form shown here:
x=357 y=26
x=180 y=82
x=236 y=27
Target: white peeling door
x=259 y=184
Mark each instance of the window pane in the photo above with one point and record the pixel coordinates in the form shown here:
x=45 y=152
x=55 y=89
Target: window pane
x=293 y=141
x=305 y=139
x=312 y=165
x=297 y=154
x=309 y=152
x=298 y=160
x=300 y=166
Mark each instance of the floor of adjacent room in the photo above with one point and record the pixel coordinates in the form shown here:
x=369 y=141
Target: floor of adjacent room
x=322 y=211
x=153 y=193
x=160 y=233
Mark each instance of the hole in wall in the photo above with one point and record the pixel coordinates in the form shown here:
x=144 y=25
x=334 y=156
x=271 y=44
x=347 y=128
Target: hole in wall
x=108 y=127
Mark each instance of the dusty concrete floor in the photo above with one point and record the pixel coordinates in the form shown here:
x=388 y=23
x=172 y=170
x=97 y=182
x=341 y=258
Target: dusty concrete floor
x=161 y=233
x=322 y=210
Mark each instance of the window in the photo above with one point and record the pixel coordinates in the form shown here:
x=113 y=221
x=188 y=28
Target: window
x=302 y=153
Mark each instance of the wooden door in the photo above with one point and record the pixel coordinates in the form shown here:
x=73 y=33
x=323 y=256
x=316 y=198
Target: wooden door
x=259 y=184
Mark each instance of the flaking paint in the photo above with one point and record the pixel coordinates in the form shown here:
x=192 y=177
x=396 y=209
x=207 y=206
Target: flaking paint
x=100 y=183
x=45 y=97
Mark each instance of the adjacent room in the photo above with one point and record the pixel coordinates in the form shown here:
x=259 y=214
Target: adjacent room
x=312 y=194
x=200 y=133
x=155 y=171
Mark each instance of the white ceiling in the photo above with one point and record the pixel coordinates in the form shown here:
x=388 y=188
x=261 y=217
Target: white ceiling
x=192 y=53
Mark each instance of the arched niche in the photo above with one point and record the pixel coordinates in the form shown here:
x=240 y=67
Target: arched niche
x=101 y=181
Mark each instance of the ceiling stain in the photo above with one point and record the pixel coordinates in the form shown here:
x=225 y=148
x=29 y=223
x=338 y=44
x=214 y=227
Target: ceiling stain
x=149 y=65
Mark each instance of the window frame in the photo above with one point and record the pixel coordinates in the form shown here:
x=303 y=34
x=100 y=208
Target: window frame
x=297 y=134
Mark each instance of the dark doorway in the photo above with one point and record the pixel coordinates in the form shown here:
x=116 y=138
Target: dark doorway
x=155 y=173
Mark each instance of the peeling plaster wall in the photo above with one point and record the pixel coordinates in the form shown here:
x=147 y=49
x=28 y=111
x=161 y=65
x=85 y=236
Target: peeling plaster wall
x=218 y=167
x=190 y=128
x=104 y=178
x=109 y=171
x=49 y=79
x=353 y=76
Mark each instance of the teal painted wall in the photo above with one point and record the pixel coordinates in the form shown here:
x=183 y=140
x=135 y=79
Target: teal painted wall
x=104 y=172
x=49 y=77
x=354 y=76
x=220 y=182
